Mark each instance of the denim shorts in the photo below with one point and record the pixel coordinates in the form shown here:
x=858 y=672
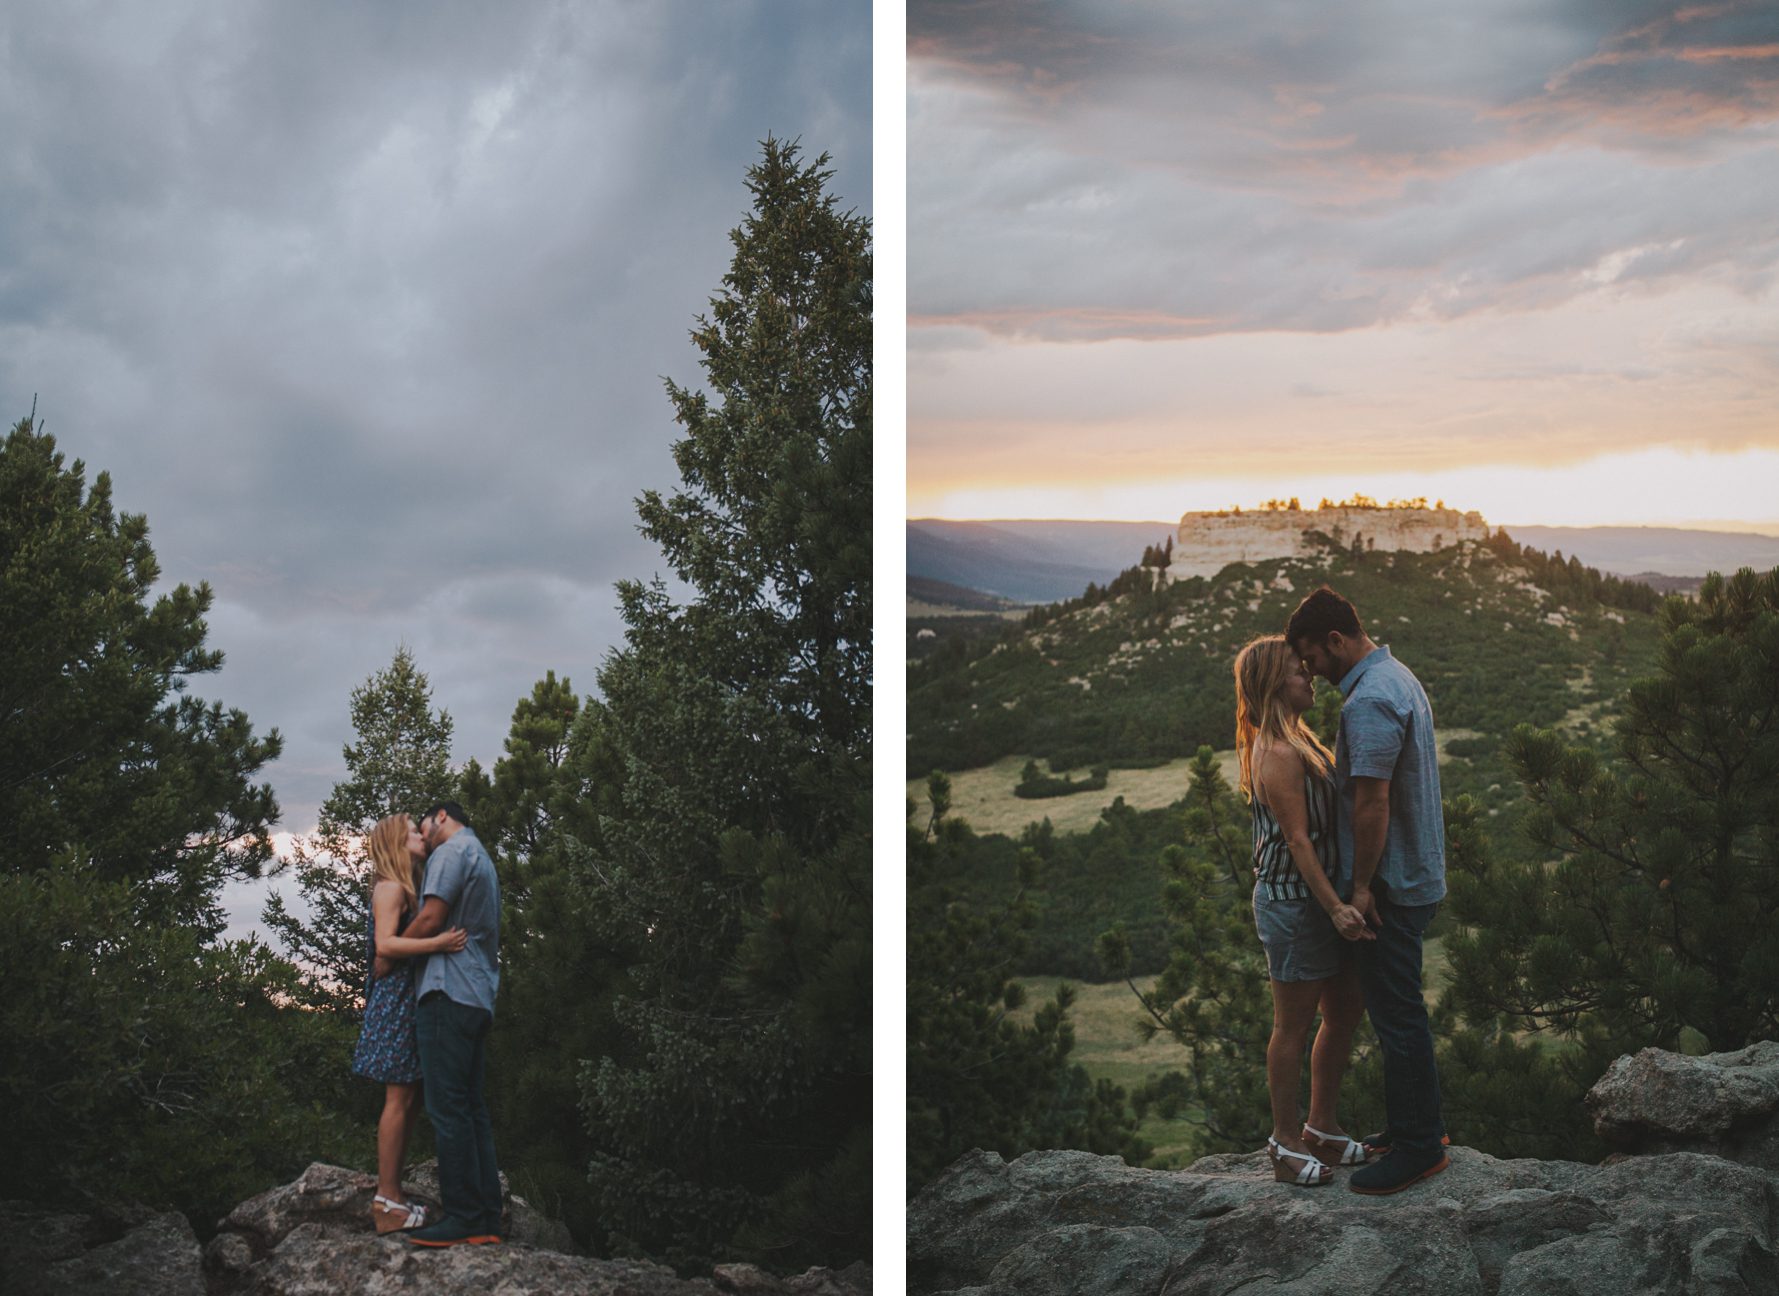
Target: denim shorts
x=1299 y=938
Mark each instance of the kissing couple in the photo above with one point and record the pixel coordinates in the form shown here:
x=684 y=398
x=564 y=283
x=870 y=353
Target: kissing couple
x=433 y=948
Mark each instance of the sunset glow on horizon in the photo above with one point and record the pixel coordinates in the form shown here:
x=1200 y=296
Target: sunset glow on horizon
x=1659 y=486
x=1164 y=261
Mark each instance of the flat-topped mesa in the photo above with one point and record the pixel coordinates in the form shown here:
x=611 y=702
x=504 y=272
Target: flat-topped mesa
x=1208 y=542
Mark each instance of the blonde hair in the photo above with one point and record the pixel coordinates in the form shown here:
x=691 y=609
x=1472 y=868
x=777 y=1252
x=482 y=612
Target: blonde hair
x=390 y=860
x=1261 y=670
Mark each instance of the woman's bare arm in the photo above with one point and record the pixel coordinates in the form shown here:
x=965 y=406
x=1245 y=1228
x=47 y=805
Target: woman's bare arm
x=386 y=908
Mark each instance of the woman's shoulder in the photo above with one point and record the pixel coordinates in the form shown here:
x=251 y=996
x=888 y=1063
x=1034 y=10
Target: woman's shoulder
x=1278 y=758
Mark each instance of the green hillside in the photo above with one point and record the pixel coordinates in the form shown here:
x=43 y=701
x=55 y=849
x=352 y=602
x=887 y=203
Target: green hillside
x=1141 y=674
x=1140 y=671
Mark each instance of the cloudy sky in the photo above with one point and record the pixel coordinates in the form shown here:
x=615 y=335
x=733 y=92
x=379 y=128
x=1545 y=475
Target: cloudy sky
x=367 y=307
x=1520 y=254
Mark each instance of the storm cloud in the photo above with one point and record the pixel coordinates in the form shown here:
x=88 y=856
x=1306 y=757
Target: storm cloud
x=368 y=307
x=1124 y=170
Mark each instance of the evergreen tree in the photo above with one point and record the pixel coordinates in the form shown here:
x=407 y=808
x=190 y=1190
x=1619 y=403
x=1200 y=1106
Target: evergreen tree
x=400 y=762
x=105 y=757
x=562 y=961
x=1501 y=1089
x=1654 y=920
x=732 y=1111
x=976 y=1077
x=139 y=1055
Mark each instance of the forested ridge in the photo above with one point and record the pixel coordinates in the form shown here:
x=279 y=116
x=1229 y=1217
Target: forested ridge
x=1140 y=668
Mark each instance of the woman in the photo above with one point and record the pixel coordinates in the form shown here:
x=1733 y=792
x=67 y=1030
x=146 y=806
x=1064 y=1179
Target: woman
x=1287 y=777
x=387 y=1050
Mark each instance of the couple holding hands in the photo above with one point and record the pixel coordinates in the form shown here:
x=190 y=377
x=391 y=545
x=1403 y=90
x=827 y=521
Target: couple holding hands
x=1349 y=865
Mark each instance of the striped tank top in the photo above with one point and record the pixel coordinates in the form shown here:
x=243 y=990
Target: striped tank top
x=1275 y=873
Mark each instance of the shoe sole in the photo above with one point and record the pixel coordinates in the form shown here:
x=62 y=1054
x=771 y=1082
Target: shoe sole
x=1375 y=1150
x=1428 y=1173
x=478 y=1239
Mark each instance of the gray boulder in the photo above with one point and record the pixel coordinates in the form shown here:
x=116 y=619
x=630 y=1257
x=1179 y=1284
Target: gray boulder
x=315 y=1236
x=1724 y=1104
x=128 y=1253
x=1083 y=1224
x=520 y=1222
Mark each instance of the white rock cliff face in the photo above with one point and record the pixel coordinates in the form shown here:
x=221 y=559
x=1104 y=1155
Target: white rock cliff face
x=1208 y=542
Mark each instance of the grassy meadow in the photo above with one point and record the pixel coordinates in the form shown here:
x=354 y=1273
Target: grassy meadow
x=1109 y=1045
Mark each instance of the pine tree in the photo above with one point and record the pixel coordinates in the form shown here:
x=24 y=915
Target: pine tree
x=562 y=960
x=105 y=756
x=1653 y=918
x=138 y=1053
x=976 y=1077
x=399 y=763
x=732 y=1112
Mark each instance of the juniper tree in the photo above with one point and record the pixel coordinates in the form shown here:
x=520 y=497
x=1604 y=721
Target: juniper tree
x=733 y=1111
x=399 y=762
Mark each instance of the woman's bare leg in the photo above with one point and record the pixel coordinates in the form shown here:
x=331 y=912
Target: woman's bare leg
x=392 y=1138
x=1293 y=1009
x=1343 y=1003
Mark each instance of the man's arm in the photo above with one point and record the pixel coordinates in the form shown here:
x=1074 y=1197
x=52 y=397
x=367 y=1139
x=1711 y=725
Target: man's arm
x=430 y=921
x=1371 y=823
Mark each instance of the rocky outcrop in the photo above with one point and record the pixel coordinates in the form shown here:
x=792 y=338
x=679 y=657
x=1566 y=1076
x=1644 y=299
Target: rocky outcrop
x=132 y=1252
x=1072 y=1222
x=1679 y=1221
x=1723 y=1104
x=313 y=1237
x=1205 y=543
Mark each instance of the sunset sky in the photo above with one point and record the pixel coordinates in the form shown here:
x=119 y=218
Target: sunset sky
x=1516 y=254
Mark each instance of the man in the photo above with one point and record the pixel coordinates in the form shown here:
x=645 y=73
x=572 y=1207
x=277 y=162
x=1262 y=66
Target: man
x=1391 y=868
x=452 y=1020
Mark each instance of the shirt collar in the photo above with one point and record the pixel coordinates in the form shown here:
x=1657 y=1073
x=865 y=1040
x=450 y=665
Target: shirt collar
x=1365 y=663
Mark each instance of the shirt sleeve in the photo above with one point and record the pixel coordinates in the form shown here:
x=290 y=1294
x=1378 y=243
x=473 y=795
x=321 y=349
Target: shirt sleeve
x=445 y=873
x=1375 y=732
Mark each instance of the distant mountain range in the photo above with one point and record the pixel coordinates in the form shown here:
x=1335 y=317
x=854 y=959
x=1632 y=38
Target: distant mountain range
x=1038 y=561
x=1670 y=551
x=1031 y=561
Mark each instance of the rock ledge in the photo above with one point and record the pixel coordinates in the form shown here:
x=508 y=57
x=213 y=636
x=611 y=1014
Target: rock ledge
x=1696 y=1213
x=313 y=1237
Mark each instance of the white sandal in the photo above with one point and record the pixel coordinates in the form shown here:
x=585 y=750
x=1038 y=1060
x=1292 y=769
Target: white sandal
x=1313 y=1174
x=1350 y=1150
x=394 y=1216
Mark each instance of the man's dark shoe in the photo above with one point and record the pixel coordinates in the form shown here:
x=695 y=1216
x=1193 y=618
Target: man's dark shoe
x=1403 y=1168
x=1378 y=1144
x=448 y=1232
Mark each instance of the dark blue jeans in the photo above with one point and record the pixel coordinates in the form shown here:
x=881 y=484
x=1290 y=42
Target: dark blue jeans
x=453 y=1059
x=1390 y=973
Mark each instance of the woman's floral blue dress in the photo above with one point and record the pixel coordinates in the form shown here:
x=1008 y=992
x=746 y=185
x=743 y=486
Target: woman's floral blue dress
x=387 y=1049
